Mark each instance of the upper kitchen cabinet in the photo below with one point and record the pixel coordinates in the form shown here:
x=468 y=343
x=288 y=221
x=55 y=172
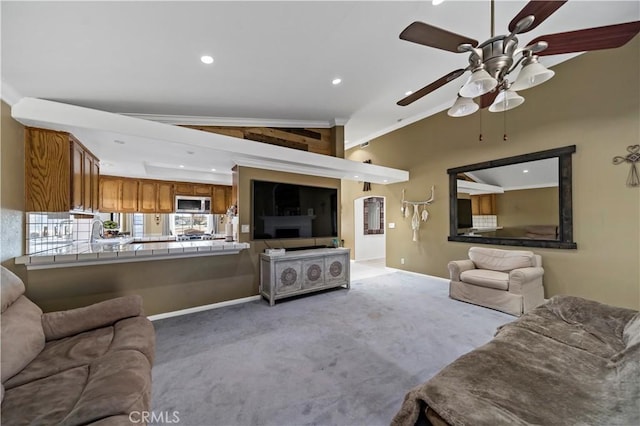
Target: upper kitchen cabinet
x=221 y=199
x=155 y=197
x=118 y=194
x=61 y=175
x=196 y=189
x=483 y=204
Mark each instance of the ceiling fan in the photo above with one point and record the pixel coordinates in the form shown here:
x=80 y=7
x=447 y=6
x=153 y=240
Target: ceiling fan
x=492 y=61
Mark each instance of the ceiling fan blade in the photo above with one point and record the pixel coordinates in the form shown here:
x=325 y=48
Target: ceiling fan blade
x=431 y=87
x=487 y=99
x=428 y=35
x=607 y=37
x=538 y=8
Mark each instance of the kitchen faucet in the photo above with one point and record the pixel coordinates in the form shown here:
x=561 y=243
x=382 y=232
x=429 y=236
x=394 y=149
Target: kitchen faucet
x=97 y=227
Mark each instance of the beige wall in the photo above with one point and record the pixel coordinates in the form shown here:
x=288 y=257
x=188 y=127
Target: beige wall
x=11 y=191
x=581 y=105
x=537 y=206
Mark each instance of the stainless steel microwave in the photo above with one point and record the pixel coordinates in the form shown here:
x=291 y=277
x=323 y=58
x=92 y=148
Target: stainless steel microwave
x=186 y=204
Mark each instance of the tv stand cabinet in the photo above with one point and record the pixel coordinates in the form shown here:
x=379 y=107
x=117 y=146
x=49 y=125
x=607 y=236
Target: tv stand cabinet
x=304 y=271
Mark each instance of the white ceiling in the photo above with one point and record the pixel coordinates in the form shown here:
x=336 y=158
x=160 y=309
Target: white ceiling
x=274 y=61
x=528 y=175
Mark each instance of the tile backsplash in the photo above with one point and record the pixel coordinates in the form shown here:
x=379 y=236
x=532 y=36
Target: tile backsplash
x=484 y=221
x=47 y=231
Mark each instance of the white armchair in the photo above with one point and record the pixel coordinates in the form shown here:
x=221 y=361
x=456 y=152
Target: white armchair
x=506 y=280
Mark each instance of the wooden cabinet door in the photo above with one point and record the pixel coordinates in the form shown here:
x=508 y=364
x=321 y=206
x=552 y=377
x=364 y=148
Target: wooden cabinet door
x=95 y=184
x=483 y=204
x=202 y=190
x=129 y=196
x=77 y=177
x=166 y=198
x=219 y=200
x=183 y=188
x=86 y=182
x=148 y=197
x=110 y=194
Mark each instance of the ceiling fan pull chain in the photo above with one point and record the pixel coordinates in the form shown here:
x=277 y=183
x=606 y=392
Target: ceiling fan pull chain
x=504 y=136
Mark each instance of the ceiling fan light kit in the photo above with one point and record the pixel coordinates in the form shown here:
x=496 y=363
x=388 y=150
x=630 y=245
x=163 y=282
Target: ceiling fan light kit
x=506 y=100
x=463 y=106
x=492 y=61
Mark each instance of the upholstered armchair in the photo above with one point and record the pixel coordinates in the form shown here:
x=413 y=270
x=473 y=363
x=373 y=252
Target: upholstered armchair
x=506 y=280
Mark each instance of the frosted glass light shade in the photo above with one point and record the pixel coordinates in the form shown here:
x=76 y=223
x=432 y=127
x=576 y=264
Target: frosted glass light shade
x=463 y=106
x=531 y=75
x=506 y=100
x=479 y=83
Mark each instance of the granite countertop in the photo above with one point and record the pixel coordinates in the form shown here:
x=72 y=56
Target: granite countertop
x=85 y=253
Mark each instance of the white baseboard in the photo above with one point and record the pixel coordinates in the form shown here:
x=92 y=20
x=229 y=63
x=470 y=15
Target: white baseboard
x=203 y=308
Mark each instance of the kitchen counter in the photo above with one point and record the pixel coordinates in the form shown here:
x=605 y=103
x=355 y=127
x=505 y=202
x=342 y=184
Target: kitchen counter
x=84 y=253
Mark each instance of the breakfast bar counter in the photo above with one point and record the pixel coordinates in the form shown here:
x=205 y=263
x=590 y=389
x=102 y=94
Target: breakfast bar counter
x=85 y=253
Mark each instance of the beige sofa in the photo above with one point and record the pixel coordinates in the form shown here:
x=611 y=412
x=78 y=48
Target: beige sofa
x=506 y=280
x=89 y=365
x=571 y=361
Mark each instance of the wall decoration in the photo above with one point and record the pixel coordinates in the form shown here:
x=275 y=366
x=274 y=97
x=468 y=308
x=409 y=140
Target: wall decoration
x=367 y=185
x=417 y=214
x=373 y=208
x=632 y=158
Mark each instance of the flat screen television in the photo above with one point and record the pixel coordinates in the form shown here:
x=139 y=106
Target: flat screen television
x=465 y=219
x=286 y=210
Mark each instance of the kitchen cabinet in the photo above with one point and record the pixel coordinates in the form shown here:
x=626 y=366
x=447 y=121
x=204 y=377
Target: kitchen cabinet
x=118 y=195
x=483 y=204
x=195 y=189
x=202 y=190
x=61 y=175
x=184 y=188
x=155 y=197
x=221 y=199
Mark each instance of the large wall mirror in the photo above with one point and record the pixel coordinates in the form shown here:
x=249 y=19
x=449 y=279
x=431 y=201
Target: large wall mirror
x=520 y=201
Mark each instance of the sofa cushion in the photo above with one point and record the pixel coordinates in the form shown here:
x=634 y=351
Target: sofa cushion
x=12 y=287
x=501 y=260
x=486 y=278
x=65 y=354
x=22 y=336
x=46 y=401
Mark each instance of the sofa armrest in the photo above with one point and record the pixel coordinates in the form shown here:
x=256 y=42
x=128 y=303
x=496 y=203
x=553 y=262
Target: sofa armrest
x=456 y=267
x=61 y=324
x=520 y=277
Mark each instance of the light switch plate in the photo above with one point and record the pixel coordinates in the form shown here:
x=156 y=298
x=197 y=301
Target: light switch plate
x=392 y=225
x=244 y=229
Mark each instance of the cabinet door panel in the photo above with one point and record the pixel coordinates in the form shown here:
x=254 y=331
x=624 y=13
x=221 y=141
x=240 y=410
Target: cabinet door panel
x=183 y=188
x=288 y=276
x=129 y=196
x=313 y=270
x=86 y=182
x=165 y=198
x=202 y=190
x=219 y=202
x=336 y=269
x=148 y=192
x=77 y=177
x=95 y=184
x=110 y=194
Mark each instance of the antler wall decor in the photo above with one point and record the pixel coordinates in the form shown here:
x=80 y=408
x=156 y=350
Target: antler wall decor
x=415 y=219
x=633 y=157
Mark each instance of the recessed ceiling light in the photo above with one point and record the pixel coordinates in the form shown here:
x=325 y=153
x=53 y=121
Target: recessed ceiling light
x=525 y=171
x=356 y=176
x=386 y=180
x=408 y=93
x=436 y=2
x=213 y=170
x=336 y=81
x=181 y=166
x=206 y=59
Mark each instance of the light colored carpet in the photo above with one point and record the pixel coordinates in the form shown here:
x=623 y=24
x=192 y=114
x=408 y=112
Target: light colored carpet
x=341 y=357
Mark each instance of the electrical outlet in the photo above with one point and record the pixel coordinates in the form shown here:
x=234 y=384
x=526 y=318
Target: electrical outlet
x=402 y=261
x=244 y=229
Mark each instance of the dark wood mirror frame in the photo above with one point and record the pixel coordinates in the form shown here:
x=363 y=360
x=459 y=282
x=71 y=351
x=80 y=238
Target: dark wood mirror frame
x=565 y=232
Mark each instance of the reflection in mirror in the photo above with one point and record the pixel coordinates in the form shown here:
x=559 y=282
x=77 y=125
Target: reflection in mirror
x=514 y=201
x=523 y=200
